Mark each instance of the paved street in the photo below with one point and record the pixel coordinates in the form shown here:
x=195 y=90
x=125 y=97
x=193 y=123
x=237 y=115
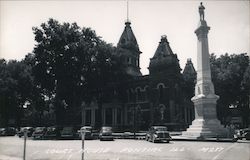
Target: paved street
x=12 y=148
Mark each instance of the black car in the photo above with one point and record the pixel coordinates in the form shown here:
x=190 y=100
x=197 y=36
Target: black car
x=68 y=133
x=242 y=133
x=52 y=133
x=8 y=131
x=106 y=133
x=158 y=133
x=39 y=132
x=30 y=131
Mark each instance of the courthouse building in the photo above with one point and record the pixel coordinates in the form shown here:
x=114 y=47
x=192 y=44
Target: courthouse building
x=159 y=98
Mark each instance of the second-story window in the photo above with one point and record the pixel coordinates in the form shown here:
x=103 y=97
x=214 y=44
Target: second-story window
x=138 y=94
x=161 y=92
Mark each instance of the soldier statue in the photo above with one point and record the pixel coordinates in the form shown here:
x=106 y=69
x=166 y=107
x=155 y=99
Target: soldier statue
x=201 y=11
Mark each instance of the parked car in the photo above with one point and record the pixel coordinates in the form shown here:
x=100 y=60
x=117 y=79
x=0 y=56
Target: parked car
x=30 y=130
x=39 y=132
x=8 y=131
x=158 y=133
x=106 y=133
x=68 y=133
x=88 y=132
x=242 y=133
x=246 y=133
x=2 y=131
x=52 y=132
x=238 y=134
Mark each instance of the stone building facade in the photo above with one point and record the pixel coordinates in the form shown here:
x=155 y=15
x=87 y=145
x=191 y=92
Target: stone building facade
x=159 y=98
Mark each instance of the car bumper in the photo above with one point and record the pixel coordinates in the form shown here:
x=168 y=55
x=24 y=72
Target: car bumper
x=106 y=137
x=163 y=139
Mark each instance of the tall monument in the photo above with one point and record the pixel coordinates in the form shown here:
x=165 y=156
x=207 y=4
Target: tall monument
x=205 y=123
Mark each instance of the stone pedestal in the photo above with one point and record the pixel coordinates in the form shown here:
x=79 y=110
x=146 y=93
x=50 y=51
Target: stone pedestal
x=206 y=124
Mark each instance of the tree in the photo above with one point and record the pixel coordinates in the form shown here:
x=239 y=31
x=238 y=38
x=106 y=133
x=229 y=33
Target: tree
x=15 y=89
x=246 y=99
x=227 y=75
x=71 y=64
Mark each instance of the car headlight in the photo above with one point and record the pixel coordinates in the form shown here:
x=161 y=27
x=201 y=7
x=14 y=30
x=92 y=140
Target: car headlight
x=155 y=135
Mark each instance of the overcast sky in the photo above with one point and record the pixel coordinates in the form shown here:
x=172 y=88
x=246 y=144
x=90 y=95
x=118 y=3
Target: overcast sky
x=229 y=22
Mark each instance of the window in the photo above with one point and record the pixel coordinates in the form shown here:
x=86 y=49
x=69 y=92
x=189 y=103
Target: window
x=139 y=94
x=147 y=93
x=137 y=63
x=161 y=92
x=129 y=60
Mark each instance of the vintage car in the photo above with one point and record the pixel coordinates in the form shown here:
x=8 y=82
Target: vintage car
x=52 y=132
x=88 y=132
x=242 y=133
x=68 y=133
x=8 y=131
x=39 y=132
x=158 y=134
x=106 y=134
x=30 y=131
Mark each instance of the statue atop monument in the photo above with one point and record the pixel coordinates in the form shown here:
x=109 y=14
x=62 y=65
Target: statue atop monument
x=201 y=11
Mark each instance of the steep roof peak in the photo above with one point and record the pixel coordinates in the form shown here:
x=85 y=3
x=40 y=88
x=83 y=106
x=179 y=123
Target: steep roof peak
x=189 y=68
x=163 y=48
x=127 y=39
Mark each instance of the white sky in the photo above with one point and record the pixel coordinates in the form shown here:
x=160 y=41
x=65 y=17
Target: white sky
x=229 y=22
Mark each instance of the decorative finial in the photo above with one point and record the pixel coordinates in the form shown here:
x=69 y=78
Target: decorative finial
x=164 y=36
x=201 y=11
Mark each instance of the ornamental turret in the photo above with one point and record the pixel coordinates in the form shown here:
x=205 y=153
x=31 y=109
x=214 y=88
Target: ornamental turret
x=128 y=51
x=164 y=61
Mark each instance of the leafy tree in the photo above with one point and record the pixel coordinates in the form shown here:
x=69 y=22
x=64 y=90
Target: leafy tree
x=227 y=75
x=15 y=89
x=71 y=64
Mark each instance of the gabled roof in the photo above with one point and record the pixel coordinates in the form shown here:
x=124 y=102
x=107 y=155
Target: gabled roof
x=127 y=39
x=189 y=68
x=163 y=48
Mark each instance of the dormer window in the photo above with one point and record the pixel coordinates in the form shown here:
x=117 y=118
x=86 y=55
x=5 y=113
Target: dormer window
x=123 y=41
x=137 y=63
x=129 y=61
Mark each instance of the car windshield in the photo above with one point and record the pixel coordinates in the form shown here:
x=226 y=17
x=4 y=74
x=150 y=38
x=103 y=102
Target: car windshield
x=68 y=129
x=107 y=129
x=51 y=129
x=161 y=129
x=38 y=129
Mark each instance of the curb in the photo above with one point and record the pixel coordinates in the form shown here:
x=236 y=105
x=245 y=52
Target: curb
x=204 y=139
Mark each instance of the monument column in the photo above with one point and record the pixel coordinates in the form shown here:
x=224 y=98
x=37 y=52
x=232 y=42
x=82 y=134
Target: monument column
x=205 y=123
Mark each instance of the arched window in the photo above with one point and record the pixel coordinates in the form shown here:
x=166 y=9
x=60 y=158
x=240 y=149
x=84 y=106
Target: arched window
x=146 y=93
x=161 y=92
x=138 y=94
x=128 y=95
x=137 y=63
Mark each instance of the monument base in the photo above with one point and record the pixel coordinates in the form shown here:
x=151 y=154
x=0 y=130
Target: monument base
x=206 y=124
x=206 y=128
